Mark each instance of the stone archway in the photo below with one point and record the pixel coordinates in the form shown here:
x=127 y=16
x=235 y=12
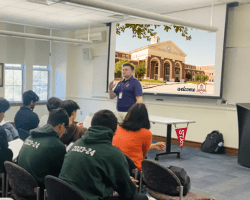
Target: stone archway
x=155 y=68
x=167 y=70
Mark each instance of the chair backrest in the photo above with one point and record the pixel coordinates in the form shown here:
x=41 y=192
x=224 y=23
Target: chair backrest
x=131 y=166
x=21 y=182
x=58 y=189
x=23 y=134
x=159 y=178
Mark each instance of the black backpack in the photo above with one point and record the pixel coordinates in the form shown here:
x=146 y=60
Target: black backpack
x=184 y=178
x=213 y=143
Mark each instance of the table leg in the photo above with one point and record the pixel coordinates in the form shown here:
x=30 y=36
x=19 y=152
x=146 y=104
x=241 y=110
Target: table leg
x=168 y=144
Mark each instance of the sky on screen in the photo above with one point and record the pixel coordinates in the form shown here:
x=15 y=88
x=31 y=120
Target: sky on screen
x=200 y=50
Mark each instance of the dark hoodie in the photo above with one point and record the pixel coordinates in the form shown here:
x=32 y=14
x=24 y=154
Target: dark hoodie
x=42 y=153
x=26 y=119
x=95 y=167
x=5 y=153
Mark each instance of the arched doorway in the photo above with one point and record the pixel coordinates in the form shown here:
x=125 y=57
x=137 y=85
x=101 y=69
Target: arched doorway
x=178 y=77
x=188 y=76
x=155 y=69
x=167 y=69
x=177 y=72
x=193 y=76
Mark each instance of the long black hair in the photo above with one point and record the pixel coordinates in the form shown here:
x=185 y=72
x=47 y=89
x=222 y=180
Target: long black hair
x=136 y=118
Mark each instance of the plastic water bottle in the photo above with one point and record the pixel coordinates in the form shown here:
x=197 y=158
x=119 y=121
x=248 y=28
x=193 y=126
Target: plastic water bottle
x=220 y=144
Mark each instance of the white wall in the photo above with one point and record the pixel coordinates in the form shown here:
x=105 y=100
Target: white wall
x=34 y=52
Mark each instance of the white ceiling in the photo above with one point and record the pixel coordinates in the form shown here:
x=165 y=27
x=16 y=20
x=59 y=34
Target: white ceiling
x=72 y=17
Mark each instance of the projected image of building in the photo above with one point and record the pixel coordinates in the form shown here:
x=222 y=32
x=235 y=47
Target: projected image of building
x=165 y=61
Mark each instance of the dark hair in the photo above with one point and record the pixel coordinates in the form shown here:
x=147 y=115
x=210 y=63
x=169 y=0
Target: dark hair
x=136 y=118
x=128 y=64
x=29 y=96
x=4 y=105
x=69 y=106
x=58 y=116
x=105 y=118
x=53 y=103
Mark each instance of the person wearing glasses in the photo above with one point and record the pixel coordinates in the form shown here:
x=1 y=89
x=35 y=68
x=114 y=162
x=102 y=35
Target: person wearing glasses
x=128 y=91
x=42 y=152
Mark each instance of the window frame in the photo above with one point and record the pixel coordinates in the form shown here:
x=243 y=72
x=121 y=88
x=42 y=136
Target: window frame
x=48 y=69
x=8 y=66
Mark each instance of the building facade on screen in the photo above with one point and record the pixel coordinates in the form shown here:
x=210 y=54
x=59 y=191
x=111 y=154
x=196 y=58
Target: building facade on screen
x=165 y=61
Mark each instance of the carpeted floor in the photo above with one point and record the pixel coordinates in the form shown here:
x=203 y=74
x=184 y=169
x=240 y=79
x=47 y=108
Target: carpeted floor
x=213 y=175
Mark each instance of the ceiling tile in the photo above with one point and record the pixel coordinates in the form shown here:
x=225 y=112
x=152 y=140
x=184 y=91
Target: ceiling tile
x=9 y=10
x=70 y=13
x=10 y=2
x=50 y=9
x=28 y=5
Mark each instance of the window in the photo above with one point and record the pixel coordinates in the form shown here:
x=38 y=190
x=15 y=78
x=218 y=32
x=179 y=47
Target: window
x=209 y=80
x=123 y=56
x=212 y=74
x=126 y=56
x=14 y=82
x=212 y=80
x=41 y=81
x=200 y=68
x=116 y=55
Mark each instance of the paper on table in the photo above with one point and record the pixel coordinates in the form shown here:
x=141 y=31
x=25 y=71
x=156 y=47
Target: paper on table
x=3 y=122
x=15 y=146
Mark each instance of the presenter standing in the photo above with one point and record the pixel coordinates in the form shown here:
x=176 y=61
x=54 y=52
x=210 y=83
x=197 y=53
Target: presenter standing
x=128 y=91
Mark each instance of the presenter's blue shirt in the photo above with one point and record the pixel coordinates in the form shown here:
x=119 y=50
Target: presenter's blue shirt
x=126 y=92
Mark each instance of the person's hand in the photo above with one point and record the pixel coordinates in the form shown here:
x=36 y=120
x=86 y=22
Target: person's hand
x=134 y=180
x=160 y=146
x=80 y=124
x=111 y=85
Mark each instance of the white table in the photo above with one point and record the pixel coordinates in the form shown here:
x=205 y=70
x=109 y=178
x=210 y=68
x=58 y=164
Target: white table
x=168 y=121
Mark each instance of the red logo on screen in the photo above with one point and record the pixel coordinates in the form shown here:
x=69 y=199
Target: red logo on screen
x=201 y=88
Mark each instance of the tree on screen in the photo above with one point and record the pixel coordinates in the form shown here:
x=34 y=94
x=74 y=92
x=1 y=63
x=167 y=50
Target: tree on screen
x=140 y=70
x=198 y=77
x=204 y=78
x=147 y=30
x=118 y=66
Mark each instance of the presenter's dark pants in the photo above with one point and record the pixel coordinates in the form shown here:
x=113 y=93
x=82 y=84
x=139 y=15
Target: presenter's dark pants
x=138 y=196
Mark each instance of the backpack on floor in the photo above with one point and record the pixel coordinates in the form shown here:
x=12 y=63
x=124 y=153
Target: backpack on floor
x=213 y=143
x=184 y=178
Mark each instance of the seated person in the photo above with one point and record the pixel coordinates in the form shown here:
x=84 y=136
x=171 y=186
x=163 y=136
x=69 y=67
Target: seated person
x=5 y=153
x=25 y=118
x=133 y=136
x=53 y=103
x=9 y=129
x=42 y=153
x=74 y=131
x=95 y=167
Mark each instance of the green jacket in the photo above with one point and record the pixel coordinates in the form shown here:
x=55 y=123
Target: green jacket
x=95 y=167
x=42 y=154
